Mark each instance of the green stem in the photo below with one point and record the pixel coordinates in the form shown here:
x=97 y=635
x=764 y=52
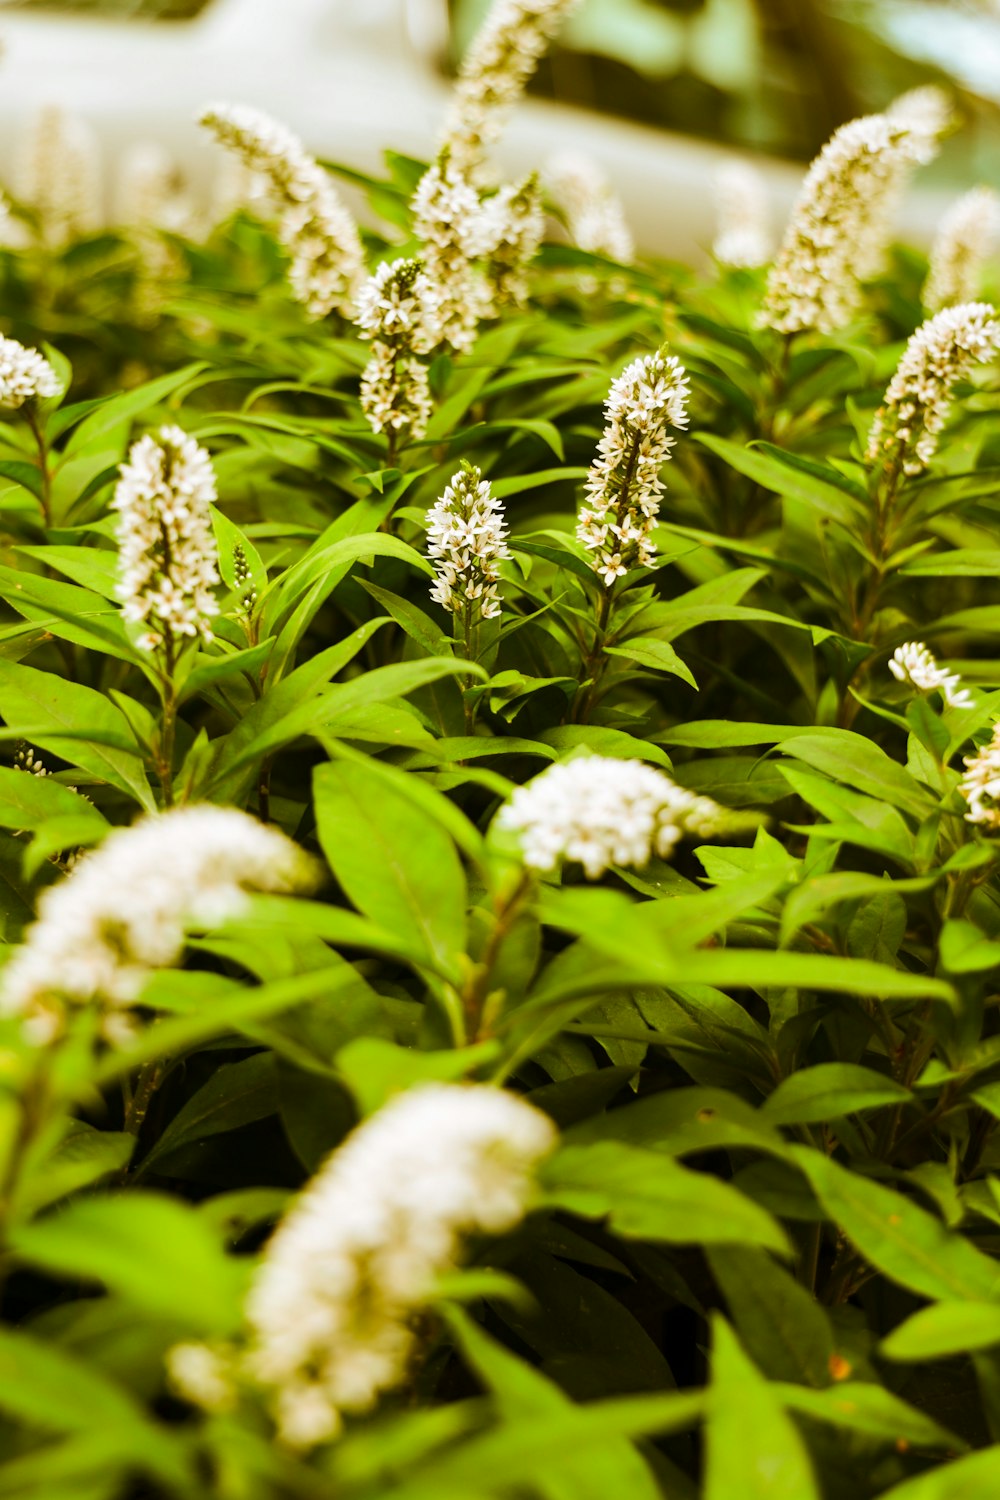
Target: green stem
x=45 y=499
x=476 y=990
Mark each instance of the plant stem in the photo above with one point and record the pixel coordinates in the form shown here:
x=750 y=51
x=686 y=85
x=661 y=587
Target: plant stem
x=477 y=987
x=150 y=1077
x=43 y=461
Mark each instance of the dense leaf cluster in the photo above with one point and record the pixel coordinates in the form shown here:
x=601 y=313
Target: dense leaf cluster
x=764 y=1259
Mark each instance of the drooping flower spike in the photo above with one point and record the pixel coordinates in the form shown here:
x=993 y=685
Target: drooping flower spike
x=594 y=214
x=907 y=427
x=914 y=664
x=623 y=488
x=467 y=540
x=494 y=72
x=125 y=908
x=320 y=236
x=968 y=232
x=602 y=812
x=399 y=310
x=743 y=239
x=168 y=560
x=333 y=1309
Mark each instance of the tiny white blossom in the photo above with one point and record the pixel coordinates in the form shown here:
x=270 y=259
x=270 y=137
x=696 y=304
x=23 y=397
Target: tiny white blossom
x=835 y=226
x=331 y=1311
x=967 y=234
x=624 y=486
x=512 y=225
x=168 y=561
x=25 y=759
x=25 y=375
x=595 y=217
x=57 y=173
x=124 y=909
x=493 y=74
x=321 y=237
x=399 y=310
x=927 y=112
x=601 y=812
x=202 y=1375
x=467 y=539
x=904 y=436
x=914 y=664
x=980 y=785
x=743 y=238
x=449 y=223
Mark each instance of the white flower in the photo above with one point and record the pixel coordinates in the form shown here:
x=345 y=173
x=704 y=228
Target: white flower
x=594 y=214
x=743 y=237
x=926 y=112
x=907 y=426
x=448 y=220
x=624 y=486
x=914 y=664
x=25 y=375
x=151 y=203
x=399 y=310
x=494 y=72
x=981 y=785
x=467 y=538
x=836 y=230
x=332 y=1308
x=602 y=812
x=512 y=229
x=313 y=225
x=124 y=909
x=202 y=1375
x=400 y=305
x=168 y=562
x=57 y=173
x=25 y=759
x=967 y=234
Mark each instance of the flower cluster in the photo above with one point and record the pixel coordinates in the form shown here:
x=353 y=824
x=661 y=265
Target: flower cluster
x=332 y=1309
x=908 y=424
x=914 y=664
x=399 y=310
x=602 y=812
x=449 y=223
x=467 y=539
x=168 y=562
x=124 y=909
x=57 y=173
x=595 y=217
x=743 y=238
x=967 y=233
x=494 y=71
x=512 y=228
x=980 y=786
x=26 y=759
x=25 y=375
x=327 y=260
x=835 y=231
x=624 y=485
x=152 y=204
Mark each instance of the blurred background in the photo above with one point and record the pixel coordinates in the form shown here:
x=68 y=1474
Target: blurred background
x=654 y=90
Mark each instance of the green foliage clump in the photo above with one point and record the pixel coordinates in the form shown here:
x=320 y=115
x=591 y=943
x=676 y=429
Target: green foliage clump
x=762 y=1259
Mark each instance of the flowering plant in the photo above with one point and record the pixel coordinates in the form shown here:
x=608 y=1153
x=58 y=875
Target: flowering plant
x=499 y=831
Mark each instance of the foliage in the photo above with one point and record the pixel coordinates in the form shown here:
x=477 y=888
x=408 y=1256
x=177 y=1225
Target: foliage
x=773 y=1214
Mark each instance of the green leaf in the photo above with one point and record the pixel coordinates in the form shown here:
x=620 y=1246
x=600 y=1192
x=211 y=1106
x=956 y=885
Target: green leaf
x=76 y=723
x=971 y=1478
x=374 y=1069
x=900 y=1239
x=753 y=1450
x=828 y=1090
x=236 y=1094
x=153 y=1251
x=783 y=1328
x=83 y=1156
x=822 y=493
x=395 y=862
x=654 y=654
x=869 y=1409
x=940 y=1332
x=646 y=1196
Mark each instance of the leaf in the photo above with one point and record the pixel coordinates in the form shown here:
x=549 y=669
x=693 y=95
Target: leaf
x=523 y=1393
x=27 y=802
x=776 y=471
x=395 y=862
x=76 y=723
x=848 y=757
x=374 y=1070
x=900 y=1239
x=785 y=1331
x=118 y=410
x=945 y=1330
x=869 y=1409
x=753 y=1450
x=236 y=1094
x=685 y=1121
x=971 y=1478
x=151 y=1250
x=645 y=1196
x=658 y=656
x=828 y=1090
x=83 y=1156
